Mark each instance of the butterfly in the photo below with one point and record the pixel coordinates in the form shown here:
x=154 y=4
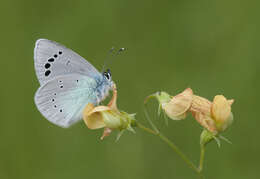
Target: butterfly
x=68 y=83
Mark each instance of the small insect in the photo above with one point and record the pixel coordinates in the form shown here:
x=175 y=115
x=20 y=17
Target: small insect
x=68 y=83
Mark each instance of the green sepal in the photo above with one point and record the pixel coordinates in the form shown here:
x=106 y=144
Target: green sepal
x=206 y=137
x=162 y=97
x=217 y=141
x=225 y=139
x=119 y=135
x=130 y=129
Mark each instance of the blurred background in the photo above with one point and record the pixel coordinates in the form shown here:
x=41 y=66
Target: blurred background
x=210 y=46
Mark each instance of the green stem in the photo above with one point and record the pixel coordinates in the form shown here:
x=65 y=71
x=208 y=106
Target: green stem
x=150 y=121
x=146 y=129
x=179 y=152
x=170 y=144
x=202 y=154
x=155 y=131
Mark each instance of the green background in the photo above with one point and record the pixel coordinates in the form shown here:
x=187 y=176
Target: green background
x=210 y=46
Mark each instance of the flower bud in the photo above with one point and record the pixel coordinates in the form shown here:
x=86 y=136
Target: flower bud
x=215 y=116
x=221 y=112
x=175 y=107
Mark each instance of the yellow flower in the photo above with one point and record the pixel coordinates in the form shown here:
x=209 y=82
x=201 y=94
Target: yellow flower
x=215 y=116
x=178 y=106
x=221 y=112
x=175 y=107
x=108 y=117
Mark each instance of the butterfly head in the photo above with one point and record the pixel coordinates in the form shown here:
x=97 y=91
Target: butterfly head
x=108 y=77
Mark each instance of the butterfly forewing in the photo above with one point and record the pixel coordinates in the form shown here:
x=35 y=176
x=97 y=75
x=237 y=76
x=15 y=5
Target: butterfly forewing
x=62 y=99
x=52 y=59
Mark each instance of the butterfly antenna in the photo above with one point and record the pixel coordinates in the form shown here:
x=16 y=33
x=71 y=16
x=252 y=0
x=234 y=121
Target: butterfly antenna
x=107 y=58
x=117 y=53
x=120 y=50
x=107 y=62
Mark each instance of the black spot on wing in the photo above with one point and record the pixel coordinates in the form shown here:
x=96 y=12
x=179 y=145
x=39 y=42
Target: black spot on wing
x=47 y=73
x=47 y=65
x=51 y=60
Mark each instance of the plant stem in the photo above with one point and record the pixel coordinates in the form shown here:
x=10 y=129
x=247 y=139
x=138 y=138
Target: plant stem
x=202 y=154
x=146 y=129
x=150 y=121
x=170 y=144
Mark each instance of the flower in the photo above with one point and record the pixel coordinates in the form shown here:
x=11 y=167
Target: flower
x=175 y=107
x=214 y=116
x=178 y=106
x=200 y=110
x=108 y=117
x=221 y=112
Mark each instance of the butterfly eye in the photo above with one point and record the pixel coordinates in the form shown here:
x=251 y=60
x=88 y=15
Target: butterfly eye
x=107 y=75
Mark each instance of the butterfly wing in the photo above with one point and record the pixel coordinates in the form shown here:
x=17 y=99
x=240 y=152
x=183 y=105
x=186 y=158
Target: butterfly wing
x=52 y=59
x=62 y=99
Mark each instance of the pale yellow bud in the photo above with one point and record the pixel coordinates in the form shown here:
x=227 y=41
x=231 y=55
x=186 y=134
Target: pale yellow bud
x=221 y=112
x=177 y=107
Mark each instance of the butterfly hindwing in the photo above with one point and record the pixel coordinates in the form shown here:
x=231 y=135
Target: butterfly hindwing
x=52 y=59
x=62 y=99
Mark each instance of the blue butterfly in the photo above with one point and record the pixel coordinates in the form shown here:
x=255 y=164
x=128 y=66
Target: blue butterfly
x=68 y=83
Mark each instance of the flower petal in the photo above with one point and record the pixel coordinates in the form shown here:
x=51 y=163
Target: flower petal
x=100 y=109
x=112 y=104
x=200 y=109
x=201 y=105
x=205 y=121
x=92 y=116
x=178 y=105
x=221 y=108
